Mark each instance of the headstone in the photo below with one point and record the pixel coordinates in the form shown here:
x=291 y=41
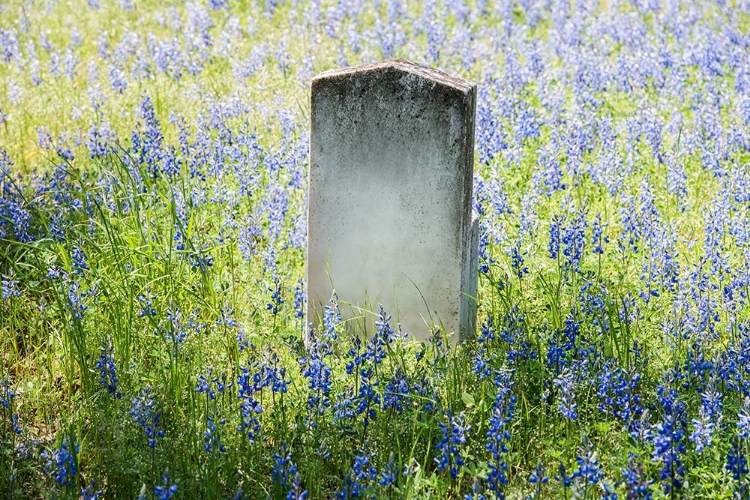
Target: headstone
x=390 y=218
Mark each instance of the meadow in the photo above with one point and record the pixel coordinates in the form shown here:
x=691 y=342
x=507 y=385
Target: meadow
x=153 y=171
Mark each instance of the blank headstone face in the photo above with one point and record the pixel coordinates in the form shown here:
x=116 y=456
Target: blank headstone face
x=390 y=221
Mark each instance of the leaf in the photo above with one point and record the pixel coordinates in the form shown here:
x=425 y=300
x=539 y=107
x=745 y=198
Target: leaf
x=468 y=399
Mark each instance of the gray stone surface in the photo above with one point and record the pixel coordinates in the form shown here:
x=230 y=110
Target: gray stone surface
x=390 y=221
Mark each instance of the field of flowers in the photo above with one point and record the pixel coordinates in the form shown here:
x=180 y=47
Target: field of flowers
x=153 y=162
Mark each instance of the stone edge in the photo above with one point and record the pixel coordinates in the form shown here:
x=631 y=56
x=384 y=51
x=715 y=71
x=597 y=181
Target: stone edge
x=435 y=75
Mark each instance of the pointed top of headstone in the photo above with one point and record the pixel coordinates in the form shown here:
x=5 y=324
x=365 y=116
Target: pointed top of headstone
x=402 y=65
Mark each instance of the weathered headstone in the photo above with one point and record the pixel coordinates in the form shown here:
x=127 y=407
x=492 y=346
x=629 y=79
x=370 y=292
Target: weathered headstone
x=390 y=219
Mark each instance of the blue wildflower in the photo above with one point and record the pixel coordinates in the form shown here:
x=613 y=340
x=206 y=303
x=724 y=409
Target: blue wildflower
x=498 y=435
x=277 y=299
x=451 y=444
x=9 y=288
x=62 y=463
x=147 y=416
x=286 y=477
x=165 y=491
x=637 y=486
x=589 y=471
x=669 y=439
x=737 y=460
x=108 y=370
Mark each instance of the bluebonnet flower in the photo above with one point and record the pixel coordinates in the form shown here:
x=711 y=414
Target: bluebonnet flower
x=637 y=486
x=367 y=400
x=554 y=237
x=204 y=386
x=618 y=392
x=451 y=444
x=286 y=477
x=299 y=300
x=250 y=407
x=598 y=239
x=219 y=4
x=75 y=296
x=319 y=373
x=376 y=346
x=562 y=476
x=363 y=469
x=107 y=369
x=515 y=334
x=435 y=40
x=485 y=260
x=174 y=333
x=210 y=384
x=165 y=491
x=574 y=240
x=90 y=492
x=389 y=474
x=359 y=478
x=669 y=439
x=550 y=172
x=331 y=318
x=737 y=464
x=62 y=463
x=147 y=139
x=146 y=415
x=491 y=138
x=211 y=436
x=249 y=239
x=517 y=262
x=9 y=288
x=276 y=205
x=200 y=261
x=99 y=140
x=397 y=392
x=350 y=488
x=567 y=381
x=277 y=299
x=607 y=491
x=479 y=364
x=7 y=395
x=271 y=375
x=710 y=417
x=242 y=342
x=9 y=47
x=488 y=333
x=226 y=317
x=171 y=163
x=588 y=471
x=146 y=302
x=79 y=261
x=65 y=153
x=15 y=423
x=743 y=420
x=677 y=179
x=538 y=478
x=562 y=344
x=498 y=434
x=703 y=431
x=14 y=216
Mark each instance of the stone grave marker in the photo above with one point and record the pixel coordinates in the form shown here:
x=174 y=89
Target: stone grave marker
x=390 y=199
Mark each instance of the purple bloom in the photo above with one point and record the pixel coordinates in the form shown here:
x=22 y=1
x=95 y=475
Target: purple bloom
x=108 y=370
x=165 y=491
x=62 y=463
x=669 y=439
x=145 y=414
x=451 y=444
